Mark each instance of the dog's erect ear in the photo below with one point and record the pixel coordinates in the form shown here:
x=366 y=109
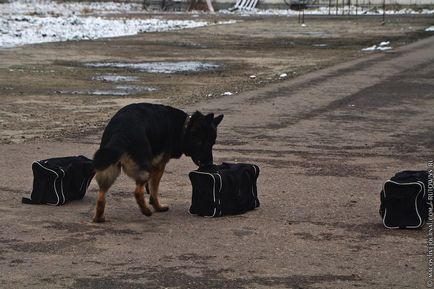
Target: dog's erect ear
x=218 y=120
x=209 y=117
x=197 y=122
x=197 y=115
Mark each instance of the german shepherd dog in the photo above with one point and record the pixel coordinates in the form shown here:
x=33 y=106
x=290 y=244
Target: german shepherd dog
x=140 y=139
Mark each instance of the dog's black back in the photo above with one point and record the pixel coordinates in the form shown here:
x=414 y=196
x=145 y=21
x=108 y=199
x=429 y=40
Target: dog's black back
x=143 y=131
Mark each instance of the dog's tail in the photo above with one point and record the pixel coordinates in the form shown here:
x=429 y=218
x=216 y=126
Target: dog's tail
x=105 y=157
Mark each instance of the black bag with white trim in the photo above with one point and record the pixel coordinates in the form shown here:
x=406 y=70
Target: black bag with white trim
x=224 y=189
x=404 y=200
x=59 y=180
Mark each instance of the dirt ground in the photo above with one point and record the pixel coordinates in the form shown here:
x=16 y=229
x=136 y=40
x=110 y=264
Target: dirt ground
x=44 y=89
x=326 y=139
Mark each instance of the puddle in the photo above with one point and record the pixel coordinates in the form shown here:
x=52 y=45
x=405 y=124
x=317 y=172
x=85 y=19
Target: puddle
x=122 y=90
x=115 y=78
x=160 y=66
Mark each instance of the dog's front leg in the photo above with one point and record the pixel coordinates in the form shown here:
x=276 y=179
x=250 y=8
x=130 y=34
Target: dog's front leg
x=156 y=175
x=139 y=193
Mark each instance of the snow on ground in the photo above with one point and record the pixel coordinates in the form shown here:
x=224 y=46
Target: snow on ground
x=382 y=46
x=26 y=22
x=430 y=28
x=20 y=30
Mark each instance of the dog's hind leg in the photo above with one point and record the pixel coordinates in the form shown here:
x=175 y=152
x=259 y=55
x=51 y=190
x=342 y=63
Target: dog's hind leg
x=156 y=174
x=139 y=193
x=105 y=179
x=141 y=175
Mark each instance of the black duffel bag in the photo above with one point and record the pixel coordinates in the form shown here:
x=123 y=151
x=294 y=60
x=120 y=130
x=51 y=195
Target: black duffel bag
x=59 y=180
x=224 y=189
x=404 y=200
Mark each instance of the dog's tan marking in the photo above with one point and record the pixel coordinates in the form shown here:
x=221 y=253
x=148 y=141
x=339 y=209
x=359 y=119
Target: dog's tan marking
x=139 y=193
x=156 y=174
x=105 y=180
x=132 y=170
x=99 y=212
x=156 y=161
x=107 y=177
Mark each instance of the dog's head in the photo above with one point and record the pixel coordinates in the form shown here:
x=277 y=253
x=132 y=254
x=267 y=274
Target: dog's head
x=200 y=136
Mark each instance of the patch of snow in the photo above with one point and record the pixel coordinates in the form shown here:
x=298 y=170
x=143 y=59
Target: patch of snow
x=382 y=47
x=283 y=75
x=372 y=48
x=431 y=28
x=19 y=30
x=38 y=21
x=160 y=66
x=252 y=76
x=226 y=22
x=227 y=93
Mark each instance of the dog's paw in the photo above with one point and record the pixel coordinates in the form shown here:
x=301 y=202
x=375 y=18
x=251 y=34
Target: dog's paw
x=147 y=212
x=162 y=208
x=98 y=219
